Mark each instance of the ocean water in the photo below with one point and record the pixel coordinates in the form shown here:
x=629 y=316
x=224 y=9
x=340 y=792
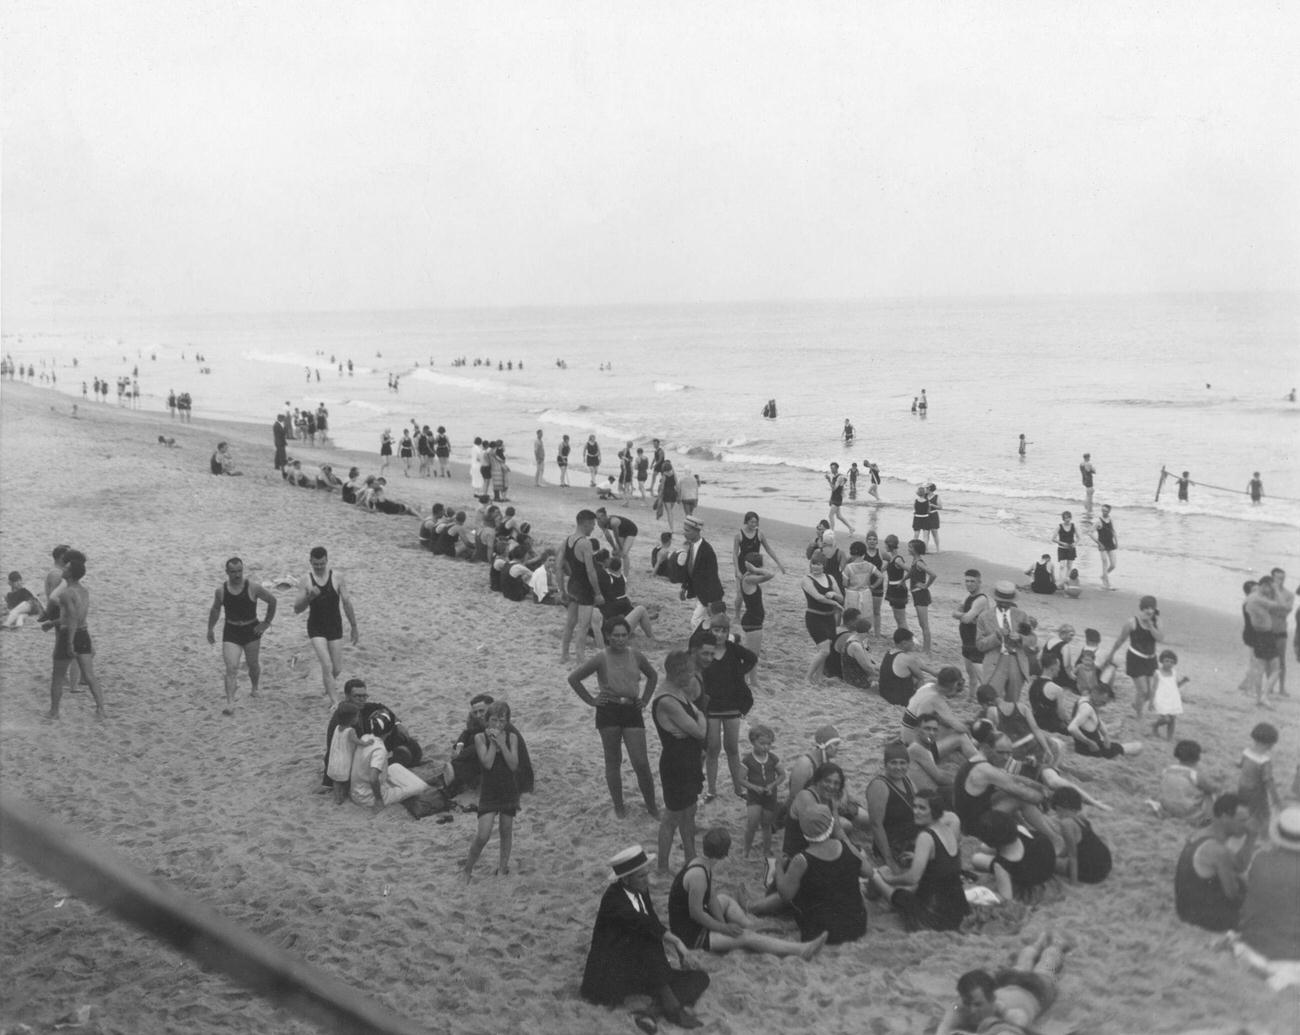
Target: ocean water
x=1192 y=382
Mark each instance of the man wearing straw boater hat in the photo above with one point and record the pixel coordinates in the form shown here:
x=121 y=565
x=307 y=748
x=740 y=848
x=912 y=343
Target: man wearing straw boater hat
x=1270 y=921
x=1003 y=632
x=700 y=570
x=628 y=945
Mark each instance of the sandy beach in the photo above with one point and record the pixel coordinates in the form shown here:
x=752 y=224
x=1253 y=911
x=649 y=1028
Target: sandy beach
x=228 y=809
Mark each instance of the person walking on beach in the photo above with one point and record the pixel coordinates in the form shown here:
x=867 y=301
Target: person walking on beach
x=442 y=452
x=591 y=457
x=71 y=636
x=324 y=592
x=1256 y=489
x=619 y=703
x=242 y=634
x=700 y=572
x=1086 y=472
x=580 y=586
x=1141 y=632
x=1107 y=544
x=837 y=482
x=1065 y=537
x=539 y=457
x=54 y=579
x=281 y=441
x=562 y=461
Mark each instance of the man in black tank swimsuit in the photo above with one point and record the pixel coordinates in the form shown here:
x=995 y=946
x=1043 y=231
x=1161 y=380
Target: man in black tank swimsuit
x=323 y=592
x=242 y=634
x=966 y=615
x=580 y=588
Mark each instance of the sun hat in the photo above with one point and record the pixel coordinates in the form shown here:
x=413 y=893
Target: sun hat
x=1005 y=591
x=692 y=522
x=630 y=860
x=817 y=824
x=1284 y=828
x=827 y=736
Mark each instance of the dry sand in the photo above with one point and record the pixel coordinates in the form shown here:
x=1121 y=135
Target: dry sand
x=226 y=809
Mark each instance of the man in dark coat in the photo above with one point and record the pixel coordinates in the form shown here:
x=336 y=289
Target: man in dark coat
x=281 y=442
x=627 y=947
x=700 y=571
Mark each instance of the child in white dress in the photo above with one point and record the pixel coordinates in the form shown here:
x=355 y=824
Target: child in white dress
x=1167 y=701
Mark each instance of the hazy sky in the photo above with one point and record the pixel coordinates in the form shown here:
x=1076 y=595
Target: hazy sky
x=246 y=156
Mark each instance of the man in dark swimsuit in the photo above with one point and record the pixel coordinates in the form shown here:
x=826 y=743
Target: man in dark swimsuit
x=620 y=531
x=71 y=637
x=1086 y=471
x=580 y=586
x=976 y=601
x=1208 y=884
x=281 y=442
x=242 y=634
x=323 y=592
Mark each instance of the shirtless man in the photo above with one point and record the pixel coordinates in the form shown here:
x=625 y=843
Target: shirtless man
x=539 y=457
x=242 y=633
x=1208 y=879
x=1008 y=1002
x=323 y=592
x=71 y=637
x=53 y=578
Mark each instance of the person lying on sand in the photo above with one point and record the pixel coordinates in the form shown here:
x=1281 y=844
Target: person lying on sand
x=1011 y=999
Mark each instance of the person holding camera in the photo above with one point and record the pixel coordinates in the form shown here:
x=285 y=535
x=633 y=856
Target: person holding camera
x=1141 y=632
x=1006 y=636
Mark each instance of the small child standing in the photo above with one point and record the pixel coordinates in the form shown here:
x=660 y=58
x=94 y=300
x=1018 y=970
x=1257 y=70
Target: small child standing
x=763 y=775
x=1086 y=857
x=1255 y=785
x=498 y=753
x=1167 y=702
x=343 y=746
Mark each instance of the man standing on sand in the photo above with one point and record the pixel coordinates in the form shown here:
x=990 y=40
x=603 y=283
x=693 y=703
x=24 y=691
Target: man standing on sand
x=281 y=442
x=1264 y=611
x=1107 y=544
x=242 y=633
x=975 y=604
x=323 y=592
x=1086 y=471
x=539 y=457
x=71 y=637
x=53 y=579
x=580 y=586
x=656 y=464
x=1286 y=598
x=1005 y=635
x=700 y=572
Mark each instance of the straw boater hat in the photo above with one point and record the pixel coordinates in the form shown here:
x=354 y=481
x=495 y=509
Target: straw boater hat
x=1005 y=591
x=630 y=860
x=1284 y=829
x=692 y=522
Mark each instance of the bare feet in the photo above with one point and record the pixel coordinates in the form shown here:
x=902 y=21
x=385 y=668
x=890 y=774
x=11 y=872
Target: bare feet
x=813 y=947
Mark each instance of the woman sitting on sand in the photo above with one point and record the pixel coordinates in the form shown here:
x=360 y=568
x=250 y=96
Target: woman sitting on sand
x=847 y=656
x=613 y=587
x=352 y=486
x=821 y=882
x=1089 y=732
x=825 y=788
x=1022 y=860
x=929 y=893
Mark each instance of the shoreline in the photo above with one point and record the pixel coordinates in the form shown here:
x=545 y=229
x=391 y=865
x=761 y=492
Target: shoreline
x=225 y=809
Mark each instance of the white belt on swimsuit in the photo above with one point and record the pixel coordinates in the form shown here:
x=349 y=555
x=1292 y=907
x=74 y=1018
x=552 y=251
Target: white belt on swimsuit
x=1139 y=654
